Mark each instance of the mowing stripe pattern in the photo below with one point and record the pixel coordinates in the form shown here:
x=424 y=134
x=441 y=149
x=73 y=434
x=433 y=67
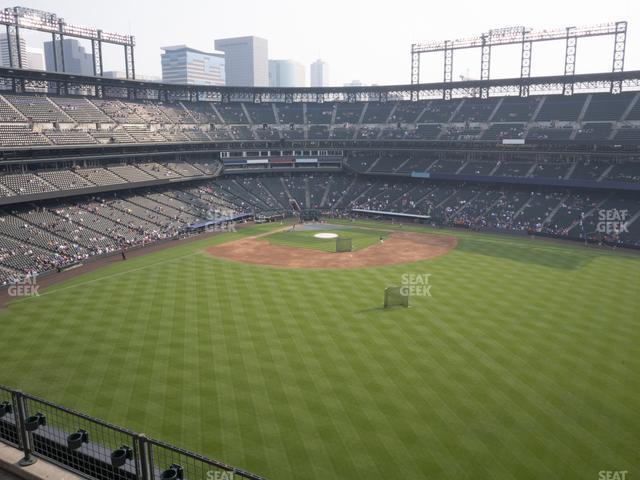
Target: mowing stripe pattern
x=523 y=364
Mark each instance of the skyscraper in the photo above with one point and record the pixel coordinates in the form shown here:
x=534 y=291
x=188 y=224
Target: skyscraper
x=319 y=73
x=4 y=52
x=76 y=59
x=286 y=73
x=35 y=58
x=246 y=61
x=185 y=65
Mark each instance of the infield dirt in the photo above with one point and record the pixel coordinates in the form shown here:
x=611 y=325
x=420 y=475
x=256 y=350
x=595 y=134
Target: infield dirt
x=399 y=247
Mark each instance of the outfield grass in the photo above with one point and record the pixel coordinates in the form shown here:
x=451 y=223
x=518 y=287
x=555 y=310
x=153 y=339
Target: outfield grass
x=360 y=238
x=522 y=365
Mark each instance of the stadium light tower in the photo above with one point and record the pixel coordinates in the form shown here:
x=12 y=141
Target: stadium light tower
x=525 y=38
x=18 y=18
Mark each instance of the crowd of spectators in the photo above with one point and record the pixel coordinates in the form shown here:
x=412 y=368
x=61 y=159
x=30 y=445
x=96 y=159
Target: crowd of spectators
x=61 y=233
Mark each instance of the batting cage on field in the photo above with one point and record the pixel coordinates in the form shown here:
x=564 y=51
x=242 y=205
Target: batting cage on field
x=343 y=245
x=396 y=297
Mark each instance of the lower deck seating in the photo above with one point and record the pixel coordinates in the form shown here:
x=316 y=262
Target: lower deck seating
x=49 y=234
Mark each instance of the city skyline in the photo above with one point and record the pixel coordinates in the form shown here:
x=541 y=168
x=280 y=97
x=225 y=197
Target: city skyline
x=354 y=49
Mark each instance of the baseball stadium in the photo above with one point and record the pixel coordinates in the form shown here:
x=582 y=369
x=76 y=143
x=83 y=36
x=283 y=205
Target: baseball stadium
x=430 y=280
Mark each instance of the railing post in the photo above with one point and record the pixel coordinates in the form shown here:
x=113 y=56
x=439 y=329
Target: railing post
x=25 y=440
x=146 y=469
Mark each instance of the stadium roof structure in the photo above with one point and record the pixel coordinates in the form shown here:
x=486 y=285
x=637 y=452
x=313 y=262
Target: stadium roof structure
x=18 y=81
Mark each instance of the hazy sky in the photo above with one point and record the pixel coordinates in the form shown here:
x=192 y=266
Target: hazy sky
x=365 y=40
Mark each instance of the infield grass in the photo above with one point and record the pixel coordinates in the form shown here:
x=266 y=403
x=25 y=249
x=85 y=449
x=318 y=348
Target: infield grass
x=360 y=238
x=523 y=364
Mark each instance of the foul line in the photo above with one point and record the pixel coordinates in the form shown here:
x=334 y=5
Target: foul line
x=116 y=274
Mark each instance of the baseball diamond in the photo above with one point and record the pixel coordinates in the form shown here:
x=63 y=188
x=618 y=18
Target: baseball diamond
x=220 y=279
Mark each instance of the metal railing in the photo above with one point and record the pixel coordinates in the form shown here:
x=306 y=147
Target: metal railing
x=96 y=449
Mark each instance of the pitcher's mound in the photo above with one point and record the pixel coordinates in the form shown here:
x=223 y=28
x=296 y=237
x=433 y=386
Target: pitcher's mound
x=400 y=247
